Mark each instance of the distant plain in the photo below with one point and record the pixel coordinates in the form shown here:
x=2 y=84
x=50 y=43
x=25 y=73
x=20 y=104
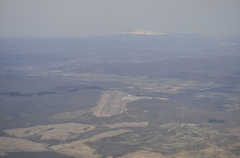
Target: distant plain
x=50 y=88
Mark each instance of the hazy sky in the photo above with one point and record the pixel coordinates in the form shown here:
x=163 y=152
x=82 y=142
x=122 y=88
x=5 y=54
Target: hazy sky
x=104 y=17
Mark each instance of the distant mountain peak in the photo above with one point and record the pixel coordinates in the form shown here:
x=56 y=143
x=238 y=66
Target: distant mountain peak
x=143 y=32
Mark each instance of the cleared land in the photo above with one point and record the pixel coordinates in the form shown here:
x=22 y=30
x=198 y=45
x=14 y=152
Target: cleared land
x=212 y=151
x=126 y=124
x=78 y=149
x=15 y=145
x=57 y=131
x=144 y=154
x=54 y=131
x=111 y=103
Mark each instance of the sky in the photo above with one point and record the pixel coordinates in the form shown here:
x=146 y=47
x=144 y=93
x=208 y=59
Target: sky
x=66 y=18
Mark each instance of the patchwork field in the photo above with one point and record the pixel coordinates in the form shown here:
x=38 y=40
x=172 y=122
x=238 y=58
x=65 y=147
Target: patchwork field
x=8 y=144
x=54 y=131
x=61 y=132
